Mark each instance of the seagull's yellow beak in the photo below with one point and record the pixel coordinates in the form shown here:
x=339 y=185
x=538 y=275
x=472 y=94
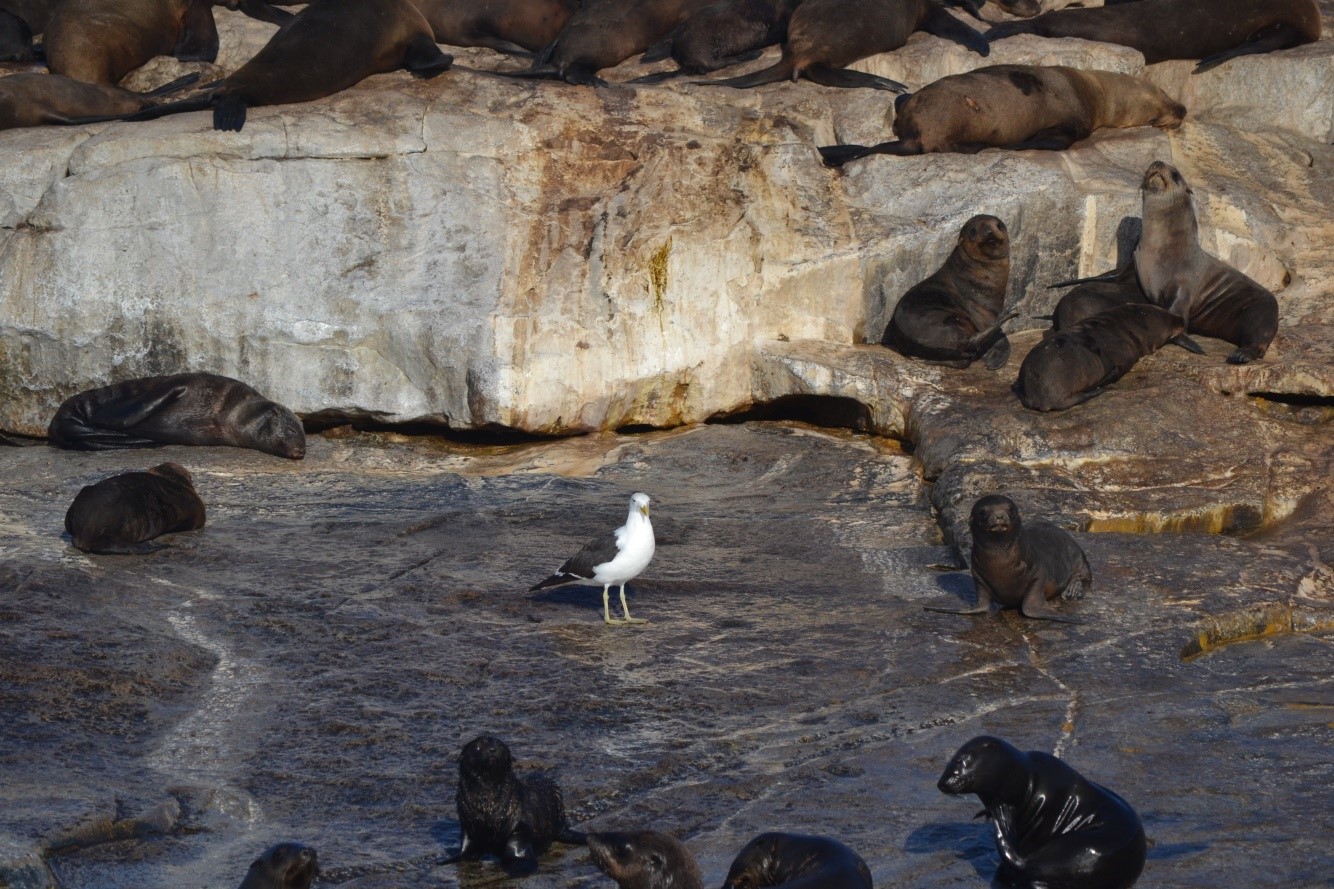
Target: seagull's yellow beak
x=644 y=510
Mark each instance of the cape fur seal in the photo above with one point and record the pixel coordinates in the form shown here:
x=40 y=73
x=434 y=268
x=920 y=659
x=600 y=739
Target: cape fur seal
x=799 y=862
x=1021 y=565
x=1215 y=299
x=1017 y=107
x=1077 y=363
x=503 y=816
x=825 y=36
x=644 y=859
x=32 y=100
x=509 y=26
x=186 y=409
x=284 y=866
x=721 y=34
x=100 y=41
x=954 y=317
x=19 y=21
x=1053 y=826
x=1212 y=31
x=122 y=513
x=1088 y=298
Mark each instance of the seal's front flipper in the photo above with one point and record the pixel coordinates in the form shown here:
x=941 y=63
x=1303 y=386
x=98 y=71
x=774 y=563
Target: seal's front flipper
x=519 y=858
x=942 y=24
x=1279 y=36
x=657 y=52
x=124 y=415
x=424 y=59
x=199 y=34
x=1124 y=275
x=1052 y=139
x=838 y=155
x=997 y=355
x=265 y=12
x=1187 y=343
x=1035 y=606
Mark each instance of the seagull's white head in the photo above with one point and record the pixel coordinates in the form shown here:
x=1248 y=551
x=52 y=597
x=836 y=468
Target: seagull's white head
x=639 y=502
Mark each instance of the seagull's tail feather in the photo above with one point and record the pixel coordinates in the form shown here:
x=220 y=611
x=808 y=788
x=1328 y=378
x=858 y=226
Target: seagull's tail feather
x=556 y=579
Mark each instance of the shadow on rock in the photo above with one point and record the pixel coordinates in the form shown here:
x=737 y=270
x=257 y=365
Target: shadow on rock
x=970 y=842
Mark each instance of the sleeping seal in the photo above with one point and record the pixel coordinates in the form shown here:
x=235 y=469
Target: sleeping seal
x=100 y=41
x=122 y=513
x=509 y=26
x=721 y=34
x=794 y=861
x=32 y=100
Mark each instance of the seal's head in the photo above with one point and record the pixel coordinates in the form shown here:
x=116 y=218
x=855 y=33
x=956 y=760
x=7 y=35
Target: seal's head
x=277 y=431
x=986 y=238
x=982 y=766
x=644 y=859
x=173 y=471
x=1163 y=179
x=486 y=757
x=994 y=517
x=284 y=866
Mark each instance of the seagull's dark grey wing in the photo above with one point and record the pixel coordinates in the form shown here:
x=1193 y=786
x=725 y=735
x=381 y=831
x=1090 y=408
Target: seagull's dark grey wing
x=597 y=551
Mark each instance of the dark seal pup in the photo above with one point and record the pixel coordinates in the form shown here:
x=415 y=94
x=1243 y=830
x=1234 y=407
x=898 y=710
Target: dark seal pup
x=954 y=316
x=721 y=34
x=33 y=100
x=503 y=816
x=1077 y=363
x=100 y=41
x=825 y=36
x=1212 y=31
x=508 y=26
x=1215 y=299
x=1054 y=827
x=793 y=861
x=1017 y=107
x=1086 y=299
x=122 y=513
x=644 y=859
x=332 y=45
x=1022 y=566
x=187 y=409
x=285 y=866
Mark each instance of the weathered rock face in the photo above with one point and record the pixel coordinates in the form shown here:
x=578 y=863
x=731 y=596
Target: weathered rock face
x=482 y=253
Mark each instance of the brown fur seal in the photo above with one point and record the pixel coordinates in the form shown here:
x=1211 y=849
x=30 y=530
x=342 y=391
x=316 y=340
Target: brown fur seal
x=32 y=100
x=1053 y=826
x=284 y=866
x=509 y=26
x=19 y=21
x=122 y=513
x=1212 y=31
x=1021 y=566
x=644 y=859
x=503 y=816
x=186 y=409
x=1077 y=363
x=825 y=36
x=1215 y=299
x=793 y=861
x=100 y=41
x=721 y=34
x=1017 y=107
x=954 y=316
x=1087 y=298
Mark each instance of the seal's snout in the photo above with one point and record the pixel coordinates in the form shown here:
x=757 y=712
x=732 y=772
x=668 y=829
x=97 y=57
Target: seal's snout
x=1160 y=177
x=999 y=524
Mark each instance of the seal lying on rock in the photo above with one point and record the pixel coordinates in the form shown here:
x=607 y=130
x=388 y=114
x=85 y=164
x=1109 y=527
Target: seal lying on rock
x=100 y=41
x=1017 y=107
x=1053 y=826
x=954 y=316
x=122 y=513
x=825 y=36
x=284 y=866
x=721 y=34
x=33 y=100
x=503 y=816
x=1088 y=298
x=644 y=859
x=1077 y=363
x=797 y=862
x=1021 y=565
x=508 y=26
x=1212 y=31
x=188 y=409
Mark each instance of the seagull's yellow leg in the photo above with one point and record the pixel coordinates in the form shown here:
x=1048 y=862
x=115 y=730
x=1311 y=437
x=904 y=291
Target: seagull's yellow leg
x=626 y=609
x=606 y=607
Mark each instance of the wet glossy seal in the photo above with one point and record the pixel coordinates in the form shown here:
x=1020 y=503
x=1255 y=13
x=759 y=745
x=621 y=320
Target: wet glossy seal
x=1021 y=565
x=509 y=26
x=954 y=317
x=794 y=861
x=284 y=866
x=721 y=34
x=187 y=409
x=1017 y=107
x=100 y=41
x=122 y=513
x=503 y=816
x=33 y=100
x=1077 y=363
x=1212 y=31
x=1054 y=827
x=644 y=859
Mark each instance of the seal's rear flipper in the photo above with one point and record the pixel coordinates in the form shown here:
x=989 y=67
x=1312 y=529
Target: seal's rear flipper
x=660 y=77
x=1186 y=343
x=424 y=59
x=1246 y=355
x=1125 y=274
x=265 y=12
x=1279 y=36
x=844 y=78
x=1008 y=29
x=974 y=610
x=942 y=24
x=780 y=71
x=997 y=355
x=657 y=52
x=838 y=155
x=174 y=86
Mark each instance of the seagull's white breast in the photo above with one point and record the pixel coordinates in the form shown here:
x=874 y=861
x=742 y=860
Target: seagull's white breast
x=635 y=541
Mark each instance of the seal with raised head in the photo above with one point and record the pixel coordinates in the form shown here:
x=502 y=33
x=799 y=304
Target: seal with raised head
x=1017 y=107
x=954 y=317
x=825 y=36
x=122 y=513
x=1215 y=299
x=721 y=34
x=503 y=816
x=284 y=866
x=1078 y=363
x=100 y=41
x=186 y=409
x=1053 y=826
x=1021 y=566
x=508 y=26
x=795 y=861
x=1212 y=31
x=331 y=46
x=19 y=21
x=32 y=100
x=644 y=859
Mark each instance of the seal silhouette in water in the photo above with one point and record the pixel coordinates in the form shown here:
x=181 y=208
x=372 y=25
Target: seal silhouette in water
x=284 y=866
x=644 y=859
x=1021 y=565
x=798 y=862
x=503 y=816
x=187 y=409
x=954 y=317
x=1053 y=826
x=122 y=513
